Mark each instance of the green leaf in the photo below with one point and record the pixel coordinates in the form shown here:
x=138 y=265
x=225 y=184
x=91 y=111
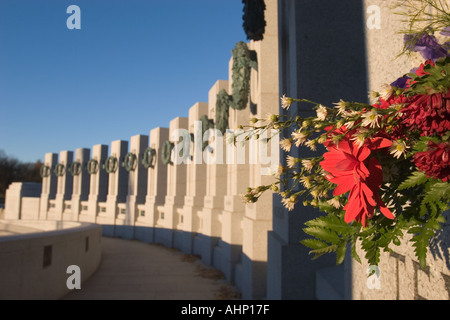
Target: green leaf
x=340 y=253
x=437 y=191
x=322 y=234
x=355 y=254
x=314 y=244
x=319 y=252
x=417 y=177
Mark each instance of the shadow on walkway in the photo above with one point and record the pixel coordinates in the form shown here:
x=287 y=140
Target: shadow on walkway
x=136 y=270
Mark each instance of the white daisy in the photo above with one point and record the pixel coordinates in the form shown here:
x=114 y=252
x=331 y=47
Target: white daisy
x=322 y=113
x=288 y=203
x=398 y=148
x=291 y=161
x=286 y=144
x=299 y=137
x=386 y=92
x=370 y=119
x=286 y=102
x=307 y=164
x=311 y=144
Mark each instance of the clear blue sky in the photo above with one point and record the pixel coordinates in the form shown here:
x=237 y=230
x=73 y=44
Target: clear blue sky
x=134 y=65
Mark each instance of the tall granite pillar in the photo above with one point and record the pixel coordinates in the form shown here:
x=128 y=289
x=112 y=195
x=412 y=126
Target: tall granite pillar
x=196 y=181
x=117 y=187
x=80 y=184
x=64 y=186
x=137 y=187
x=169 y=216
x=216 y=168
x=48 y=184
x=312 y=37
x=156 y=186
x=257 y=220
x=98 y=183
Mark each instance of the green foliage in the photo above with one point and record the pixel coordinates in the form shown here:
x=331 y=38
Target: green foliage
x=418 y=177
x=436 y=80
x=331 y=234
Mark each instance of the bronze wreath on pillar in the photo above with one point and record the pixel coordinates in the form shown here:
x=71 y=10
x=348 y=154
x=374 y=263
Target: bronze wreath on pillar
x=92 y=166
x=254 y=22
x=75 y=168
x=59 y=170
x=148 y=158
x=243 y=60
x=44 y=171
x=206 y=125
x=166 y=152
x=129 y=163
x=110 y=165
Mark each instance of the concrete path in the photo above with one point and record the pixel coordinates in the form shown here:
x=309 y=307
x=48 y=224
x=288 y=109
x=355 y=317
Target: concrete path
x=140 y=271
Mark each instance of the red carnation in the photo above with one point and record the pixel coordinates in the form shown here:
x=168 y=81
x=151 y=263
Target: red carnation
x=434 y=162
x=353 y=170
x=428 y=113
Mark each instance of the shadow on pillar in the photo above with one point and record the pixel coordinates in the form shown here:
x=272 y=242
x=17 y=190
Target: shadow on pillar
x=322 y=52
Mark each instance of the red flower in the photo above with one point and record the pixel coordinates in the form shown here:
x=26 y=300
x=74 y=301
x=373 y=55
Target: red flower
x=353 y=170
x=428 y=113
x=420 y=72
x=435 y=161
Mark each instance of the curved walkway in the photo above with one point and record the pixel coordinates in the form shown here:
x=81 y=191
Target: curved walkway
x=141 y=271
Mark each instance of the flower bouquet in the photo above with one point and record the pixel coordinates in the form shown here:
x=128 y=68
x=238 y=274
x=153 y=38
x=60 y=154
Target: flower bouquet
x=385 y=167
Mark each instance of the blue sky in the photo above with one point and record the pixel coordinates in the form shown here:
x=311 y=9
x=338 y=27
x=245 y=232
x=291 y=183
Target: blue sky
x=134 y=65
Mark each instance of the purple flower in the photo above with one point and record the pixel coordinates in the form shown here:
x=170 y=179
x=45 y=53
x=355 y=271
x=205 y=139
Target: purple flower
x=426 y=44
x=400 y=82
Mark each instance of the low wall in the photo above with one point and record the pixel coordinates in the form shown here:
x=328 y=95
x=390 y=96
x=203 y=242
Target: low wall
x=35 y=256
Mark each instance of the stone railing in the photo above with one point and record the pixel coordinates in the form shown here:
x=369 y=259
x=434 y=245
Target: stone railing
x=35 y=257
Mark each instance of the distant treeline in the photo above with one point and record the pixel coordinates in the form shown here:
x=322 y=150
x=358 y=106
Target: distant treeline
x=13 y=170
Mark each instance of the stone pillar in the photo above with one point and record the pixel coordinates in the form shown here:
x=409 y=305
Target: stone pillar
x=64 y=186
x=98 y=184
x=117 y=187
x=216 y=168
x=156 y=187
x=48 y=184
x=229 y=247
x=257 y=220
x=137 y=187
x=312 y=37
x=169 y=217
x=80 y=184
x=196 y=182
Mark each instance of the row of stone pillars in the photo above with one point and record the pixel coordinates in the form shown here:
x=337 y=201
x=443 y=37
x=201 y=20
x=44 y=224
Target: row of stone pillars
x=195 y=207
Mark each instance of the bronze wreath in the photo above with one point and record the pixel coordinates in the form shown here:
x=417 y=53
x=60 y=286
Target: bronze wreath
x=92 y=166
x=59 y=170
x=44 y=171
x=166 y=152
x=148 y=158
x=75 y=168
x=129 y=163
x=110 y=165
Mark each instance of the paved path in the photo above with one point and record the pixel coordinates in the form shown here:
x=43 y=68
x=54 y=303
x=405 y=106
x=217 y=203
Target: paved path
x=136 y=270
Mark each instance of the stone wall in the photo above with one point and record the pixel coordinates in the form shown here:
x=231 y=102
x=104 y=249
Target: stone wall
x=399 y=275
